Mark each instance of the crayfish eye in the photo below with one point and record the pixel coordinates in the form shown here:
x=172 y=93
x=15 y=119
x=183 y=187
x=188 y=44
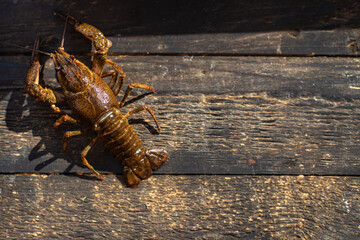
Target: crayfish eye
x=58 y=68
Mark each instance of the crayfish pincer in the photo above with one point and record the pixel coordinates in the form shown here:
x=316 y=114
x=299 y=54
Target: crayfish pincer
x=93 y=103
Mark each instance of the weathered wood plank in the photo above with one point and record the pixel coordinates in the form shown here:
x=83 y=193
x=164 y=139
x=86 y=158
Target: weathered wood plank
x=219 y=115
x=231 y=27
x=333 y=78
x=187 y=207
x=313 y=42
x=247 y=134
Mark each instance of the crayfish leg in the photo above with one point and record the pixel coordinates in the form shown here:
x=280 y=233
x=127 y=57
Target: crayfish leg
x=85 y=152
x=114 y=75
x=64 y=118
x=130 y=87
x=69 y=134
x=148 y=109
x=121 y=75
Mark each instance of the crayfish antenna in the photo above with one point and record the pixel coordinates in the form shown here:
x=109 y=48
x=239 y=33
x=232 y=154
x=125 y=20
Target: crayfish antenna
x=63 y=35
x=72 y=20
x=35 y=54
x=27 y=48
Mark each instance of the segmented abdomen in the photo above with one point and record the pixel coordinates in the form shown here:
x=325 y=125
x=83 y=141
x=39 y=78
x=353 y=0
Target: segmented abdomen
x=119 y=137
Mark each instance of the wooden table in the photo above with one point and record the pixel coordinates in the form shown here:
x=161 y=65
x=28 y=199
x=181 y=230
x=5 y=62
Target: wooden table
x=259 y=105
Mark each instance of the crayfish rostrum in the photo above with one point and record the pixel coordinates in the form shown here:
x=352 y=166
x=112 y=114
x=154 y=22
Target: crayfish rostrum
x=93 y=103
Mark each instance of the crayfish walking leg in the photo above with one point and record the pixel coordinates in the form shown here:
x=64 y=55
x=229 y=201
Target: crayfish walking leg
x=142 y=108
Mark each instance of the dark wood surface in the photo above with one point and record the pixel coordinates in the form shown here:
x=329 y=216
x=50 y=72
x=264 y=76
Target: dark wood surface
x=264 y=115
x=181 y=207
x=259 y=108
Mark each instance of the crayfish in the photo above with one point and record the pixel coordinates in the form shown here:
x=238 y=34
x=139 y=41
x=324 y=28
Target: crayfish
x=93 y=103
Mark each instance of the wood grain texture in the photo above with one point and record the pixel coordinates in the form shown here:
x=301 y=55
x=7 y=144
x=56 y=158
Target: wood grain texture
x=264 y=115
x=332 y=78
x=242 y=108
x=206 y=27
x=221 y=207
x=291 y=42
